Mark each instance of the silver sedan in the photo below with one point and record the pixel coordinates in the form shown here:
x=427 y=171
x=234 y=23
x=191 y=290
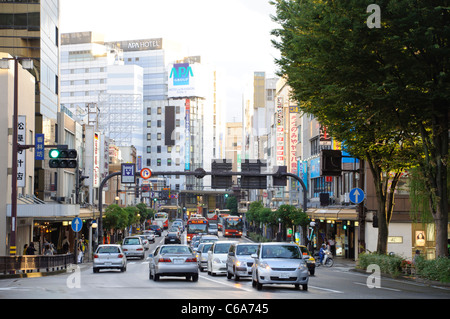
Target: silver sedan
x=109 y=257
x=173 y=260
x=279 y=263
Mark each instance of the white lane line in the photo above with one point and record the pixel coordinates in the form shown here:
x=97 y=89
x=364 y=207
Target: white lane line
x=326 y=289
x=237 y=286
x=392 y=289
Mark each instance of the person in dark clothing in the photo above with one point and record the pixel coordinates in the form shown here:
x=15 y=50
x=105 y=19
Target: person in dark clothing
x=30 y=249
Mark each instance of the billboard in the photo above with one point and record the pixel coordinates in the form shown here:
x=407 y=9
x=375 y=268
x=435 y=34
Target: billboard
x=186 y=80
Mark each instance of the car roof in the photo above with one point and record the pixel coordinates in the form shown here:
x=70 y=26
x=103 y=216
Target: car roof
x=224 y=242
x=278 y=243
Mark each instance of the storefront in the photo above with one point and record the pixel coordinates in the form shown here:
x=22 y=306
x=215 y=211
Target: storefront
x=337 y=227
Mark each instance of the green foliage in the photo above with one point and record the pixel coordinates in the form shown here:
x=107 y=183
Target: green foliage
x=288 y=215
x=232 y=204
x=388 y=264
x=438 y=269
x=384 y=92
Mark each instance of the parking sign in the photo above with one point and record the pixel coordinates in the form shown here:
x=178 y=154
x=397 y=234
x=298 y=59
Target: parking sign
x=128 y=173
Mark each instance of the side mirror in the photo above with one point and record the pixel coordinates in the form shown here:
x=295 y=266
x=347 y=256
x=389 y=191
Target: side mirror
x=231 y=253
x=254 y=256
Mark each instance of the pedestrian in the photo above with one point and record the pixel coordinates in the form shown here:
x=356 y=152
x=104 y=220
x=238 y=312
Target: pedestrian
x=416 y=256
x=48 y=250
x=30 y=249
x=332 y=244
x=65 y=245
x=25 y=249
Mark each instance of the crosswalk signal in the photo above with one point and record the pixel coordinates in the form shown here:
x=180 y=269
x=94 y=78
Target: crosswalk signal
x=62 y=158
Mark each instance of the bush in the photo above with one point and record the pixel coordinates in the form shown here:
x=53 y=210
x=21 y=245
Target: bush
x=438 y=269
x=388 y=264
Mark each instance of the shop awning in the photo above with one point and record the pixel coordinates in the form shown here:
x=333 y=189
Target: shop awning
x=333 y=213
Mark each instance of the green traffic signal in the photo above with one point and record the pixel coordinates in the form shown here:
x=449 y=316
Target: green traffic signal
x=62 y=158
x=54 y=153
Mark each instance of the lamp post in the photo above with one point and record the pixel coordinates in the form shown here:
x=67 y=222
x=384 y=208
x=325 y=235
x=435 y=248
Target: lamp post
x=15 y=148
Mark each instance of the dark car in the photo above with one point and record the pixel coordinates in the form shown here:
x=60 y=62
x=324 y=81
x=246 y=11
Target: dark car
x=157 y=229
x=172 y=238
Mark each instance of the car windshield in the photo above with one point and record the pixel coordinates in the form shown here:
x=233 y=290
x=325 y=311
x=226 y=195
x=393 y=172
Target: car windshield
x=222 y=248
x=131 y=241
x=212 y=226
x=206 y=247
x=108 y=250
x=175 y=250
x=281 y=251
x=246 y=249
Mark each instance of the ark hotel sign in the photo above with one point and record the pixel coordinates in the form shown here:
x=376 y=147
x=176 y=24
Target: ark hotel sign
x=140 y=45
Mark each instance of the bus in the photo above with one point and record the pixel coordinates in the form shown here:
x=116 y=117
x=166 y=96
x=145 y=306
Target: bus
x=196 y=226
x=162 y=219
x=212 y=215
x=232 y=226
x=222 y=213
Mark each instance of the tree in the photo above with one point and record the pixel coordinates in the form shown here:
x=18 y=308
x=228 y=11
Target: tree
x=331 y=60
x=232 y=204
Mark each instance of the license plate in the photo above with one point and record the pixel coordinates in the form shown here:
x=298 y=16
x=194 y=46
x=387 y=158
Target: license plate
x=107 y=264
x=284 y=276
x=178 y=261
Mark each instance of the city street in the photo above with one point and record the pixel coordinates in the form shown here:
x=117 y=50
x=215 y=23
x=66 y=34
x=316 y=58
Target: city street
x=337 y=282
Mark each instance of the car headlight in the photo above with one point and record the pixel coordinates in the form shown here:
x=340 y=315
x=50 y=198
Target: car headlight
x=216 y=260
x=302 y=266
x=264 y=265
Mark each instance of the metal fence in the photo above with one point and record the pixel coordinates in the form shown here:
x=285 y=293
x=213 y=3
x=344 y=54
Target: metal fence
x=40 y=263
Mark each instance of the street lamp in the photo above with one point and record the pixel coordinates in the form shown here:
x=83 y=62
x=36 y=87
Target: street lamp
x=27 y=64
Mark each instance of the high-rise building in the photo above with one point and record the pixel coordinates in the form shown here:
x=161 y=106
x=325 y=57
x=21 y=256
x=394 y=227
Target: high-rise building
x=31 y=29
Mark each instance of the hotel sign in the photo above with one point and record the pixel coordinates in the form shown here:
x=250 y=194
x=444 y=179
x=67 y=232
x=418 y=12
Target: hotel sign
x=140 y=45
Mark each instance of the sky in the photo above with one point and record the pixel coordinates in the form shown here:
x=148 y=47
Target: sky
x=233 y=35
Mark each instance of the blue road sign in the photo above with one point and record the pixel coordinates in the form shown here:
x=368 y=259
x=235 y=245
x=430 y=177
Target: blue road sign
x=77 y=224
x=39 y=147
x=356 y=195
x=128 y=173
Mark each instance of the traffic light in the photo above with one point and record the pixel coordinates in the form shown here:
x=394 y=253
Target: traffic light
x=221 y=166
x=62 y=158
x=253 y=179
x=278 y=179
x=330 y=163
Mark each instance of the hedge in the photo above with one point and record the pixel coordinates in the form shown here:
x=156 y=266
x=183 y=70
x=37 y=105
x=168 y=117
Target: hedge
x=437 y=269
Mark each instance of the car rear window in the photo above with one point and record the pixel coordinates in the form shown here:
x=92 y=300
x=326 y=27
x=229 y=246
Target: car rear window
x=175 y=250
x=131 y=241
x=108 y=250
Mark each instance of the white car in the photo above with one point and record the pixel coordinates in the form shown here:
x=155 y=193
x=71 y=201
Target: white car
x=133 y=247
x=217 y=257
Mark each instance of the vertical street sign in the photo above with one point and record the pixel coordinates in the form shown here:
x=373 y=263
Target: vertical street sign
x=21 y=154
x=39 y=154
x=128 y=173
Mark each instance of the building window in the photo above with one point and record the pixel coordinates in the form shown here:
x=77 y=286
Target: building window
x=158 y=149
x=149 y=111
x=169 y=162
x=149 y=162
x=159 y=110
x=149 y=149
x=158 y=162
x=149 y=136
x=158 y=136
x=149 y=123
x=158 y=123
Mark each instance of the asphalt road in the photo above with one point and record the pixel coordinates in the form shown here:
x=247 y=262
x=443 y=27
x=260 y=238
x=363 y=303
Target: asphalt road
x=337 y=282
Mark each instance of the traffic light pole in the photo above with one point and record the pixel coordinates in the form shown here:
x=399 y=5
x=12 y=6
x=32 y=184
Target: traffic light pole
x=199 y=173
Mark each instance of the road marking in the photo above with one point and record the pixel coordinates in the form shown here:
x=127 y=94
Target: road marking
x=238 y=286
x=326 y=289
x=392 y=289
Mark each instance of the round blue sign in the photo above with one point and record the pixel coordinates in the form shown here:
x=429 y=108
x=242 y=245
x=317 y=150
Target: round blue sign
x=77 y=224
